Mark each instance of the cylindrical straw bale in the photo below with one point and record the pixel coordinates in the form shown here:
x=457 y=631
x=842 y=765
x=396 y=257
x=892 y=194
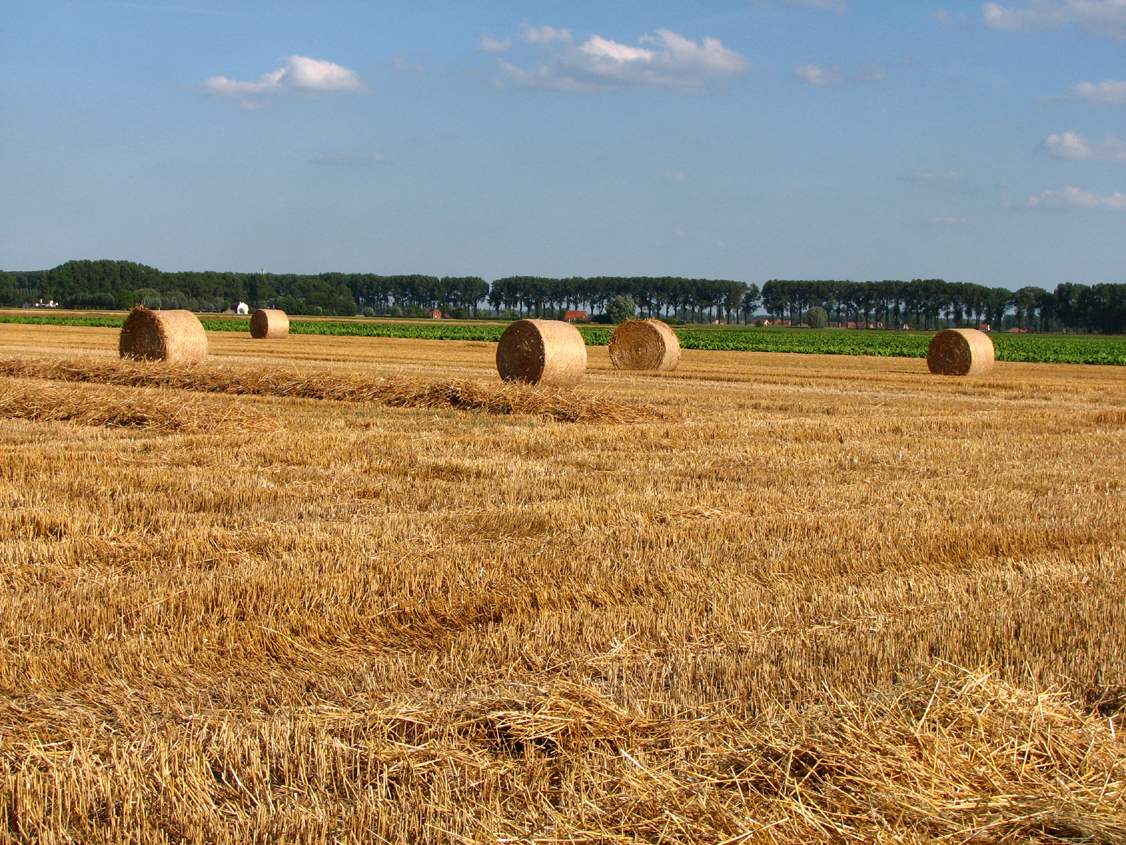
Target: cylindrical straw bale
x=173 y=336
x=644 y=345
x=547 y=352
x=269 y=323
x=960 y=352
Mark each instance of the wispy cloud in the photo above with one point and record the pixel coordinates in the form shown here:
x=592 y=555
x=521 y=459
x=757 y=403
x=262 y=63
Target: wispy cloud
x=492 y=44
x=1109 y=91
x=670 y=60
x=407 y=66
x=675 y=176
x=950 y=221
x=814 y=75
x=1073 y=146
x=960 y=21
x=817 y=75
x=1071 y=197
x=349 y=160
x=299 y=75
x=838 y=6
x=1100 y=18
x=544 y=35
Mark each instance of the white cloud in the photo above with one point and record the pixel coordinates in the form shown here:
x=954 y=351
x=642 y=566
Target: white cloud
x=492 y=44
x=1108 y=91
x=837 y=6
x=299 y=75
x=602 y=48
x=1101 y=18
x=1072 y=145
x=1071 y=197
x=544 y=35
x=817 y=75
x=950 y=221
x=349 y=161
x=673 y=62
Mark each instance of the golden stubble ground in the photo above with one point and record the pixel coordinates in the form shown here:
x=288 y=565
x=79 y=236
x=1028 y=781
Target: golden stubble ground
x=819 y=599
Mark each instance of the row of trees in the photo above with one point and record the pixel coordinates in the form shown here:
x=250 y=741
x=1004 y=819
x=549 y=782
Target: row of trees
x=920 y=303
x=122 y=284
x=696 y=300
x=934 y=304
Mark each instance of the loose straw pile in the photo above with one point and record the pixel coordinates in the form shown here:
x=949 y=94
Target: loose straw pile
x=399 y=391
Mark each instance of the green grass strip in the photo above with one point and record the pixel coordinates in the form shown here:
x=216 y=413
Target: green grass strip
x=62 y=320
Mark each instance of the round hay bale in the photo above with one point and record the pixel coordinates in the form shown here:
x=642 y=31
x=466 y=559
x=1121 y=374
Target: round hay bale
x=173 y=336
x=269 y=323
x=547 y=352
x=960 y=352
x=644 y=345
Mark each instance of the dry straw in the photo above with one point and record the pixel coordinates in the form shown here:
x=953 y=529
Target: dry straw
x=175 y=336
x=118 y=407
x=269 y=323
x=545 y=352
x=960 y=352
x=644 y=345
x=396 y=391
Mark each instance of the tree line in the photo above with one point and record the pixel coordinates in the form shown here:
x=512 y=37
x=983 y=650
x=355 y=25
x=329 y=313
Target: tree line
x=920 y=303
x=123 y=284
x=935 y=304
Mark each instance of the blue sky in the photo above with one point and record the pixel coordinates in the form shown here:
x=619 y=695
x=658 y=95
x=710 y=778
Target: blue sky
x=746 y=140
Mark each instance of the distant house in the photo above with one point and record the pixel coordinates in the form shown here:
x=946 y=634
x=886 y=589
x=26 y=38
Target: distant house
x=985 y=327
x=575 y=316
x=436 y=314
x=242 y=308
x=1023 y=331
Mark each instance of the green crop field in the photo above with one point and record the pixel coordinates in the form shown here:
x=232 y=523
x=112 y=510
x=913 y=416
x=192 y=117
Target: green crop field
x=1028 y=348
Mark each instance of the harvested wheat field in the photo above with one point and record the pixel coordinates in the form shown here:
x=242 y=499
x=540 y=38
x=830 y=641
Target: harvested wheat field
x=769 y=598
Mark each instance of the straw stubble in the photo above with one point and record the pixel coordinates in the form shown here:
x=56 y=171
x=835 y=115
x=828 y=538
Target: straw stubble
x=383 y=625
